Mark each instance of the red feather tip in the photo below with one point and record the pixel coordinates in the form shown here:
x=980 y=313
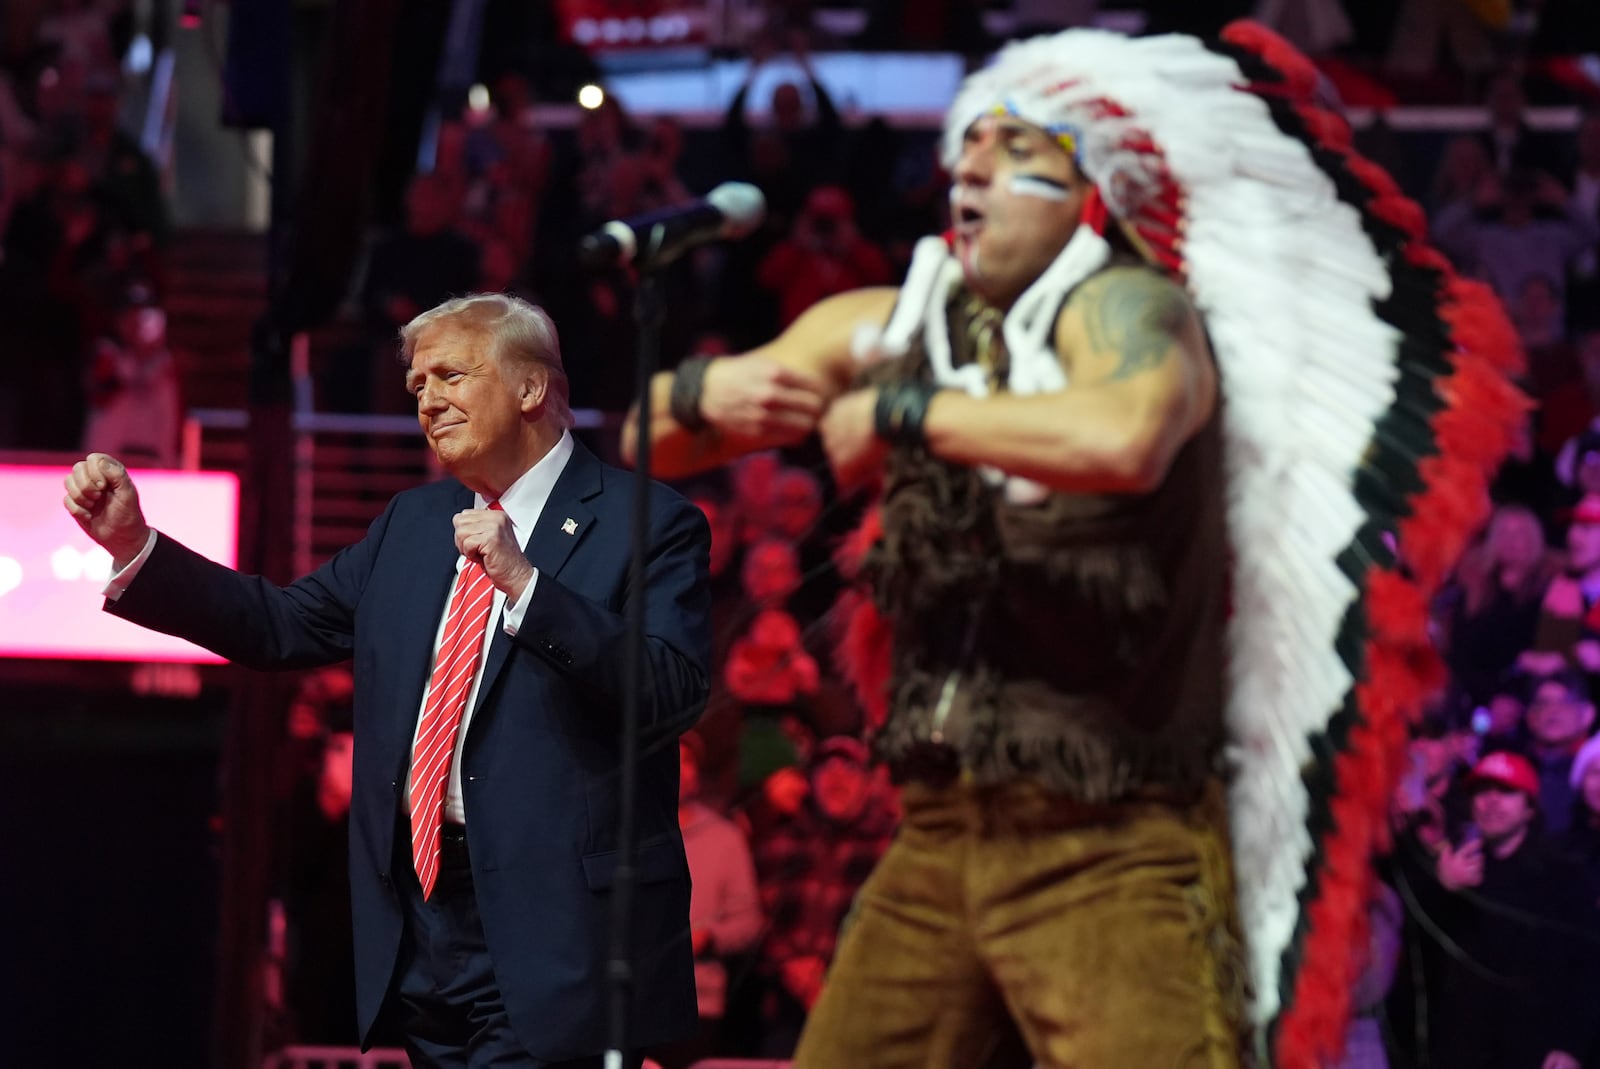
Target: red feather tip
x=1401 y=212
x=1396 y=609
x=1299 y=72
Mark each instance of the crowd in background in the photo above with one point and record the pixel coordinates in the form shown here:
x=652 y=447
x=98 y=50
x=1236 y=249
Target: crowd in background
x=83 y=224
x=1486 y=946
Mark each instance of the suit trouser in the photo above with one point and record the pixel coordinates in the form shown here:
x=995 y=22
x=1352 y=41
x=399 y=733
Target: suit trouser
x=447 y=1001
x=1107 y=934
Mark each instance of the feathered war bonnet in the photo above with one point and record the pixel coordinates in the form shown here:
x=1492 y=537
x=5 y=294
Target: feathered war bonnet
x=1366 y=401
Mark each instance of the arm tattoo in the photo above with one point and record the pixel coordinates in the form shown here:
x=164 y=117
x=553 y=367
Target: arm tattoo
x=1137 y=316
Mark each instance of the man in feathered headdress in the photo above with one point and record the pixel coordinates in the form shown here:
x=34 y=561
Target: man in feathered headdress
x=1068 y=511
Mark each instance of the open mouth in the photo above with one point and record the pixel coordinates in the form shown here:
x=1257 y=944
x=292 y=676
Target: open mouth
x=968 y=220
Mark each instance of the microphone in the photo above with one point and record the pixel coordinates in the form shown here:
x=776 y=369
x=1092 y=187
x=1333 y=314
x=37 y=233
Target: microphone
x=732 y=210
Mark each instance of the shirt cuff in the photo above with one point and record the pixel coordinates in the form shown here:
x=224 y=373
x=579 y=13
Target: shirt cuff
x=511 y=620
x=123 y=579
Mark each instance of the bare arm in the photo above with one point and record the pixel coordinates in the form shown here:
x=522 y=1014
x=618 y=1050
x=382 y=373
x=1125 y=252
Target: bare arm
x=773 y=395
x=1141 y=383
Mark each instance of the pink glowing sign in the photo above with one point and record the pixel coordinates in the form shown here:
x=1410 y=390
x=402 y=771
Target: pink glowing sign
x=51 y=574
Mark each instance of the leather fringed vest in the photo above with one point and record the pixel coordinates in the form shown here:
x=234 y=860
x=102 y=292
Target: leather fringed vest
x=1077 y=641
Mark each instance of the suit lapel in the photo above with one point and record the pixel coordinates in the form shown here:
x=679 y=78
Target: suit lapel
x=563 y=524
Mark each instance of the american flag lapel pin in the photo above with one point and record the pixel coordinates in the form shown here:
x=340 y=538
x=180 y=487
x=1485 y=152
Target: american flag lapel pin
x=571 y=526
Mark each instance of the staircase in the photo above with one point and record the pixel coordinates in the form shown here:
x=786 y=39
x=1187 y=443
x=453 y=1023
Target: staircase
x=216 y=290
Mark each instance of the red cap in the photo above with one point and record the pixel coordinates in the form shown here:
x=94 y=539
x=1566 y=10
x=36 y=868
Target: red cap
x=1587 y=510
x=1507 y=770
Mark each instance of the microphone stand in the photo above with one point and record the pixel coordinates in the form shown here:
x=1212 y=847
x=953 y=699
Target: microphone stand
x=649 y=313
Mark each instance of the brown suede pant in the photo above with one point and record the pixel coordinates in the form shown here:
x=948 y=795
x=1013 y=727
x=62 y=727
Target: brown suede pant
x=1105 y=934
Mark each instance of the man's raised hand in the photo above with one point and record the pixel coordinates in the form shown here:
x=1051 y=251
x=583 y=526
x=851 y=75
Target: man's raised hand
x=758 y=398
x=486 y=536
x=102 y=498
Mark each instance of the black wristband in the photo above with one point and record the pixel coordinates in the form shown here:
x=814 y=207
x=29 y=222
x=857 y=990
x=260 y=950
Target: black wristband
x=900 y=411
x=688 y=382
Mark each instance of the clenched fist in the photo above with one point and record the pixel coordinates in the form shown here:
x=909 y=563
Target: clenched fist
x=486 y=536
x=102 y=498
x=756 y=397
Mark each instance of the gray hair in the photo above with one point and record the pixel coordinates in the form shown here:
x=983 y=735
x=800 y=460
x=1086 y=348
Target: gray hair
x=519 y=333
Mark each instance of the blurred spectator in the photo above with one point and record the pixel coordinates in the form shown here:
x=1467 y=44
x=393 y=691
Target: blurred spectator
x=1577 y=465
x=409 y=269
x=134 y=406
x=1572 y=401
x=41 y=334
x=728 y=611
x=1582 y=840
x=16 y=141
x=769 y=677
x=506 y=163
x=899 y=187
x=607 y=139
x=1536 y=313
x=1313 y=26
x=753 y=479
x=810 y=870
x=660 y=183
x=1499 y=724
x=1559 y=717
x=1492 y=608
x=1463 y=167
x=789 y=20
x=424 y=262
x=925 y=26
x=1423 y=27
x=124 y=179
x=79 y=32
x=1512 y=144
x=770 y=574
x=1516 y=229
x=794 y=514
x=500 y=270
x=796 y=505
x=1514 y=989
x=511 y=138
x=1363 y=1038
x=824 y=254
x=724 y=905
x=794 y=151
x=1527 y=477
x=1428 y=808
x=768 y=666
x=1584 y=181
x=1565 y=634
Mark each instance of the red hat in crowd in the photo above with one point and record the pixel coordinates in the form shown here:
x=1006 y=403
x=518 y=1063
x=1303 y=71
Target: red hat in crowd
x=1587 y=510
x=1506 y=770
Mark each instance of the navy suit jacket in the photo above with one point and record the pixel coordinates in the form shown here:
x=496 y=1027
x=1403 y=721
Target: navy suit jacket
x=541 y=759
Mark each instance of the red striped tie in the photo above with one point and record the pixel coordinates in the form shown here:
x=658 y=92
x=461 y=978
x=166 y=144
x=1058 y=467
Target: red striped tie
x=441 y=714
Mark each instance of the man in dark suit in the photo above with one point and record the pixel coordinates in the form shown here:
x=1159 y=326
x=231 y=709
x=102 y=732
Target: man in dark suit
x=480 y=899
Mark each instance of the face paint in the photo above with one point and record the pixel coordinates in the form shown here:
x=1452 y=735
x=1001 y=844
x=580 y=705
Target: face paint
x=1031 y=185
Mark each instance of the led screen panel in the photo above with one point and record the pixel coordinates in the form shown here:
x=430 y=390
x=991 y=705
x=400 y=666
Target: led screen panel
x=51 y=574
